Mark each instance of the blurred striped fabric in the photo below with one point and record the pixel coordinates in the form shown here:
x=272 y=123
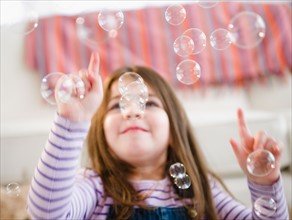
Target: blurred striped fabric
x=147 y=39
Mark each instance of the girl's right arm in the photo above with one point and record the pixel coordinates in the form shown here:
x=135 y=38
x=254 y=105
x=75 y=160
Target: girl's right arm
x=55 y=192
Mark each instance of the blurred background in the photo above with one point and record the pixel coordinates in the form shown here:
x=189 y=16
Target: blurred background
x=217 y=55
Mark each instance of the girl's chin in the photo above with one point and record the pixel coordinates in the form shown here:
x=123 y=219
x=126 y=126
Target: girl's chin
x=136 y=154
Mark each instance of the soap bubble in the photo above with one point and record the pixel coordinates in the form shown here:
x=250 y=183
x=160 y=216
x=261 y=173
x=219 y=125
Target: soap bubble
x=175 y=14
x=48 y=86
x=66 y=86
x=260 y=162
x=183 y=46
x=132 y=106
x=134 y=95
x=265 y=206
x=111 y=21
x=13 y=189
x=126 y=79
x=183 y=182
x=220 y=39
x=70 y=85
x=137 y=88
x=188 y=71
x=177 y=169
x=247 y=29
x=89 y=32
x=198 y=37
x=63 y=86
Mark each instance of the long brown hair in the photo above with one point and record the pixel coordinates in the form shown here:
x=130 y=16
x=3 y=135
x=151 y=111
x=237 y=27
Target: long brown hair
x=183 y=149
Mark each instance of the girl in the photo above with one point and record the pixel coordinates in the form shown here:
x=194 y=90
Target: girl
x=130 y=156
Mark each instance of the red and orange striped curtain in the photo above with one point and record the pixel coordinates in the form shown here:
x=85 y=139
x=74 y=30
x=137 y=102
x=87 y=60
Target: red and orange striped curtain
x=147 y=39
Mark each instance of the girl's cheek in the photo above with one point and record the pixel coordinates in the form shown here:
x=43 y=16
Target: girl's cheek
x=111 y=120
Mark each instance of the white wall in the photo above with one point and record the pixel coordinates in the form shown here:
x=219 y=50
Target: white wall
x=22 y=108
x=25 y=118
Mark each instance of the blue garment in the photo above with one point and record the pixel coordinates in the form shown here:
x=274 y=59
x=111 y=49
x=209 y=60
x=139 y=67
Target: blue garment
x=161 y=213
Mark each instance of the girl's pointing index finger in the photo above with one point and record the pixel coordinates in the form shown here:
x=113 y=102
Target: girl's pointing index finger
x=245 y=136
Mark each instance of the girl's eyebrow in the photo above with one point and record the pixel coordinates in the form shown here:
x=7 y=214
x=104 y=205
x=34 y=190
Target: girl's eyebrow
x=119 y=96
x=115 y=97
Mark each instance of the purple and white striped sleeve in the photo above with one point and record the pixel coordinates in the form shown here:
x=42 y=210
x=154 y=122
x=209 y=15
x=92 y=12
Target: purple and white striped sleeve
x=228 y=208
x=273 y=199
x=55 y=192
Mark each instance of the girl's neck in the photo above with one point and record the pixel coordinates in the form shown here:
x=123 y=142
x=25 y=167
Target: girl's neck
x=148 y=173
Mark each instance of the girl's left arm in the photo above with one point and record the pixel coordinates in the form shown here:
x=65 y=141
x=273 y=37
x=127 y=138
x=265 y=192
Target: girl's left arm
x=229 y=208
x=250 y=144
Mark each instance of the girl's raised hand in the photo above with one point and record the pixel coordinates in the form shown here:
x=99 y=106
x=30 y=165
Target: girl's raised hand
x=249 y=144
x=82 y=109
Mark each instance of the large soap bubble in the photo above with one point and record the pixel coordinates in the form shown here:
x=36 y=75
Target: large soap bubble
x=175 y=14
x=247 y=29
x=188 y=71
x=220 y=39
x=260 y=162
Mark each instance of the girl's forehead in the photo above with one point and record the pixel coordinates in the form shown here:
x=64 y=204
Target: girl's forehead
x=114 y=90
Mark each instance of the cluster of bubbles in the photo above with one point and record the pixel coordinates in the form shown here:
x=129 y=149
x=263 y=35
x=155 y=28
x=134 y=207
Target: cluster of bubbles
x=261 y=163
x=109 y=20
x=134 y=95
x=245 y=30
x=178 y=172
x=59 y=86
x=106 y=21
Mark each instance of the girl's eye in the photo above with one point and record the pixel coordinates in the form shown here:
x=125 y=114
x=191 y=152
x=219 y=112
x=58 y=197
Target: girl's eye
x=151 y=104
x=114 y=106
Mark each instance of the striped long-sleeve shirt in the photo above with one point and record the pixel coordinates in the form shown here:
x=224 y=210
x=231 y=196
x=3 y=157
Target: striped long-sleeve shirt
x=58 y=192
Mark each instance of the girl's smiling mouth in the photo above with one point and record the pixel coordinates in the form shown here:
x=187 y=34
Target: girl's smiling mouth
x=134 y=129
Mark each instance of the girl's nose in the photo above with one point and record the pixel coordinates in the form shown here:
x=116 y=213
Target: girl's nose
x=133 y=112
x=134 y=116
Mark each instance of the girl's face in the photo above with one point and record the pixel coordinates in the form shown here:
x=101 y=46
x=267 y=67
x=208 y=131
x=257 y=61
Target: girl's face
x=139 y=142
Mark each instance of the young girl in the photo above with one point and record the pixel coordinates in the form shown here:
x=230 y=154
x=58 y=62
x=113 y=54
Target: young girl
x=130 y=158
